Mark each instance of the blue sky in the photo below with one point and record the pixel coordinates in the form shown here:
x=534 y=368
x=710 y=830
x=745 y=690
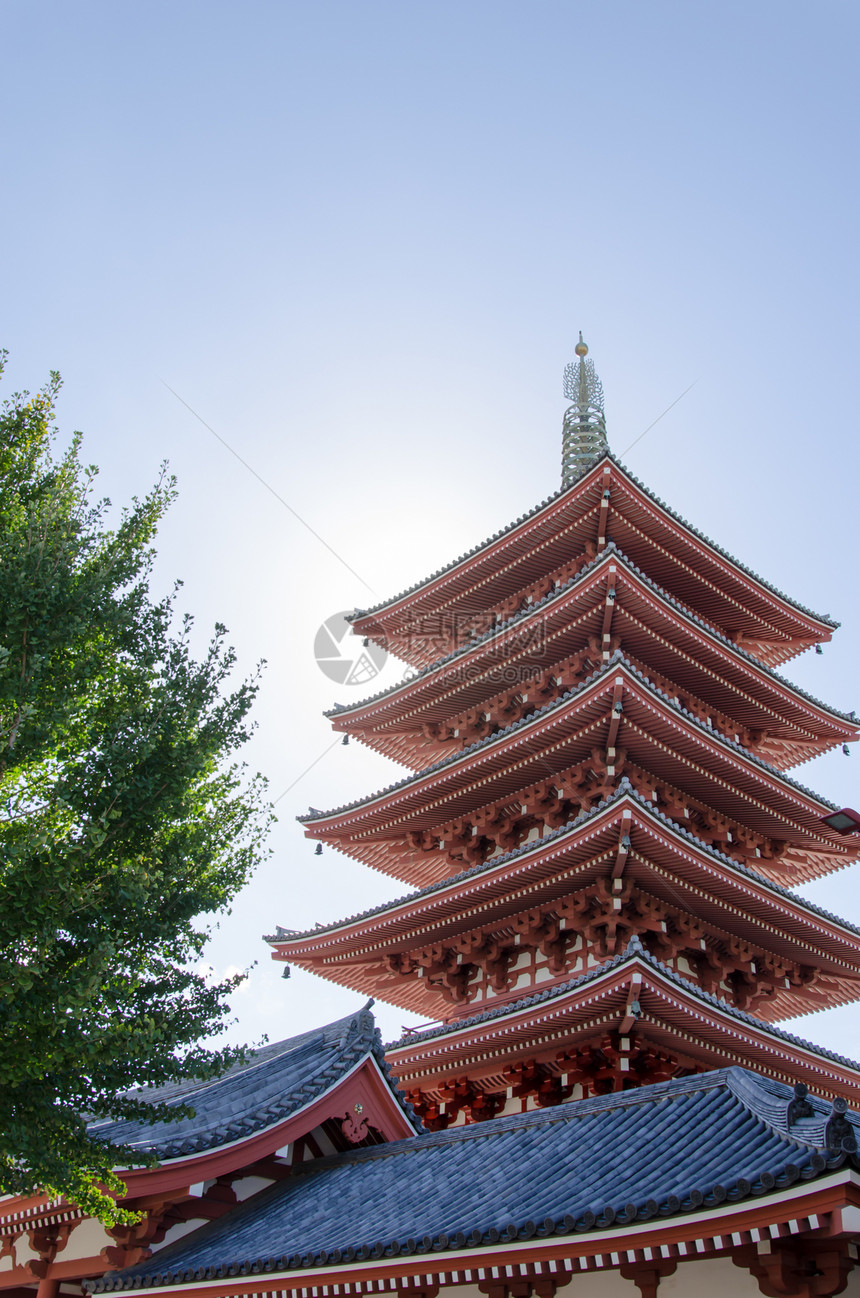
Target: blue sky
x=358 y=240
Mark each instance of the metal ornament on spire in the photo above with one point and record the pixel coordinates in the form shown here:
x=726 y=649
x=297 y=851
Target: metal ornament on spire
x=583 y=438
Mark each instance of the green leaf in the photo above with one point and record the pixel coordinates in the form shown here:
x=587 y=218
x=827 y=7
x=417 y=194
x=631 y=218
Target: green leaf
x=123 y=819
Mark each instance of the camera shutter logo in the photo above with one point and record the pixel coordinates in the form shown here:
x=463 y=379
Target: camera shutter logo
x=344 y=657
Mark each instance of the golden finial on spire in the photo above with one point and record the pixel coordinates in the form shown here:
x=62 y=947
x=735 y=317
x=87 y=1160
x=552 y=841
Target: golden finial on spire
x=581 y=348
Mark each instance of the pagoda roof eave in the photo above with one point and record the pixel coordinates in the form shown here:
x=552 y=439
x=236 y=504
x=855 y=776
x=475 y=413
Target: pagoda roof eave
x=403 y=596
x=528 y=519
x=497 y=866
x=315 y=820
x=635 y=957
x=489 y=642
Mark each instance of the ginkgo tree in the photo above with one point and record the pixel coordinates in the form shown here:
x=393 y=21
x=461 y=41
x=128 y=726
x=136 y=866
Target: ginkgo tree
x=125 y=816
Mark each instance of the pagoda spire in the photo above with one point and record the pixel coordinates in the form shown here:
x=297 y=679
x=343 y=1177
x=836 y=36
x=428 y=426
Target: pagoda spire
x=584 y=428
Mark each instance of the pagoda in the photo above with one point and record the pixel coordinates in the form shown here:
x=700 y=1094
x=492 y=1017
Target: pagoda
x=597 y=825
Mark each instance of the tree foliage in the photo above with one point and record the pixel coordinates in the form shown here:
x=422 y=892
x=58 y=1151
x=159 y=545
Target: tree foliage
x=123 y=818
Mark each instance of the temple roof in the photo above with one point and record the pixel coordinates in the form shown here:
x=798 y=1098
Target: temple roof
x=654 y=629
x=596 y=1164
x=686 y=753
x=666 y=862
x=618 y=659
x=277 y=1082
x=463 y=559
x=496 y=633
x=624 y=790
x=635 y=952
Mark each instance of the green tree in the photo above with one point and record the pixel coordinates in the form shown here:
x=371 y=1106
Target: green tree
x=124 y=816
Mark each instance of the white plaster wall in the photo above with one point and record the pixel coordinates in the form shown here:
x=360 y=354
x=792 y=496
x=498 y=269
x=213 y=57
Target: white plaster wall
x=716 y=1277
x=602 y=1284
x=178 y=1231
x=21 y=1253
x=86 y=1240
x=607 y=1284
x=249 y=1185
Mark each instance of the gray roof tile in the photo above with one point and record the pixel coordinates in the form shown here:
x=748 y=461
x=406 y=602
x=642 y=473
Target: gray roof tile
x=656 y=1151
x=270 y=1087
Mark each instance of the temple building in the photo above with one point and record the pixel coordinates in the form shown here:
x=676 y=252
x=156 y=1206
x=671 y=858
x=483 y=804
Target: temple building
x=303 y=1099
x=598 y=823
x=601 y=843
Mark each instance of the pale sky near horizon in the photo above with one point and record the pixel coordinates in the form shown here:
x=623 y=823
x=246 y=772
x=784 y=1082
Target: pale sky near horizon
x=358 y=240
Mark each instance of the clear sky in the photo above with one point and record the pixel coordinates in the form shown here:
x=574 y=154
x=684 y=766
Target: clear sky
x=358 y=239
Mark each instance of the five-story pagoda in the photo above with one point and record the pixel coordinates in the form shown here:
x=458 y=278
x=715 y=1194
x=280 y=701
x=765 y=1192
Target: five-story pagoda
x=598 y=826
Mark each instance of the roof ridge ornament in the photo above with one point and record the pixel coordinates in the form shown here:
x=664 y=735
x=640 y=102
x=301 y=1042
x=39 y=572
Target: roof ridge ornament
x=583 y=438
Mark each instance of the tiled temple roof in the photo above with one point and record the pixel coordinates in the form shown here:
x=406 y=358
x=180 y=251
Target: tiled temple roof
x=618 y=658
x=276 y=1082
x=610 y=1161
x=610 y=549
x=634 y=951
x=625 y=789
x=556 y=495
